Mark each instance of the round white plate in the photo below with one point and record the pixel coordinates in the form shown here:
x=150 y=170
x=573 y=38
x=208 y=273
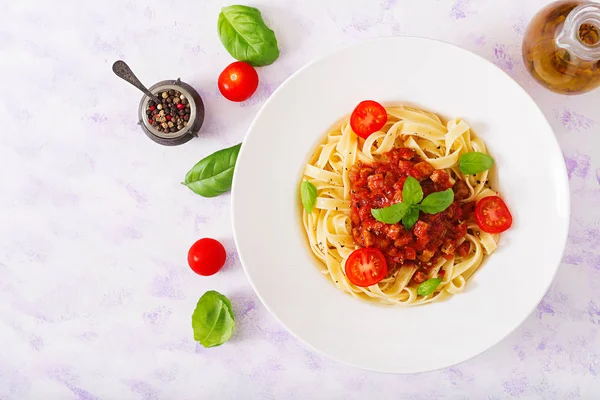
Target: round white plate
x=441 y=78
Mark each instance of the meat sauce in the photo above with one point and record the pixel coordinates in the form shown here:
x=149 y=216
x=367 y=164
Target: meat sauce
x=379 y=185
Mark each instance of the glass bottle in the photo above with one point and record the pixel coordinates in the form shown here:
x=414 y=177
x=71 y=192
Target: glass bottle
x=561 y=46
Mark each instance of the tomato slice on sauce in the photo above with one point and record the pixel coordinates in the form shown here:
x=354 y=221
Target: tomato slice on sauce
x=492 y=215
x=366 y=266
x=368 y=117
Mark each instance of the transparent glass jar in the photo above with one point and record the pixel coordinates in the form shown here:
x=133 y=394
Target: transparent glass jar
x=561 y=46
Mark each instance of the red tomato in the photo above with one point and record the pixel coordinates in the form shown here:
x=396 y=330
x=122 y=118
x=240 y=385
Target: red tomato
x=366 y=266
x=206 y=257
x=238 y=81
x=492 y=215
x=368 y=117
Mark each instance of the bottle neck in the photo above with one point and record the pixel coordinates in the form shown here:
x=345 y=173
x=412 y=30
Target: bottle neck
x=580 y=33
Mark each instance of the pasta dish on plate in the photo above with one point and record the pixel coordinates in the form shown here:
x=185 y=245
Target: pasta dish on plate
x=398 y=207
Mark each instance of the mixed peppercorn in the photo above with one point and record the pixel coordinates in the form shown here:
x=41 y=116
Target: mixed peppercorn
x=172 y=114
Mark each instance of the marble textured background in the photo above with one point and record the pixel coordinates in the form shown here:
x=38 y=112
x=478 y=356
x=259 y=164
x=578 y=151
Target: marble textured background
x=95 y=292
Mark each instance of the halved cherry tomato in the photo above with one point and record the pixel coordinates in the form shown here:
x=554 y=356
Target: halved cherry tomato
x=492 y=215
x=206 y=256
x=366 y=266
x=238 y=81
x=368 y=117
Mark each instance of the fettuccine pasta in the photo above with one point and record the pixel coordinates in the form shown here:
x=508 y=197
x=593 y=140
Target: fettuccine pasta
x=329 y=227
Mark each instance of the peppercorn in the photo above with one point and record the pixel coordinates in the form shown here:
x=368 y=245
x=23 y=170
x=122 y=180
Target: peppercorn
x=172 y=113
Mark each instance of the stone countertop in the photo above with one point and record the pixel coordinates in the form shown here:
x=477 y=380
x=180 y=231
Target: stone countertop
x=95 y=292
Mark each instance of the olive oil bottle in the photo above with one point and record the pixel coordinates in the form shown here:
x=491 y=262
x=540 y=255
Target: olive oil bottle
x=561 y=46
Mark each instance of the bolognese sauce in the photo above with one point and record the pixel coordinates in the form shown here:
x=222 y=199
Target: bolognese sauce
x=379 y=184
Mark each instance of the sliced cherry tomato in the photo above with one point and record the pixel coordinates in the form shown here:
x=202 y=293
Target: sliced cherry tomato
x=368 y=117
x=366 y=266
x=492 y=215
x=206 y=256
x=238 y=81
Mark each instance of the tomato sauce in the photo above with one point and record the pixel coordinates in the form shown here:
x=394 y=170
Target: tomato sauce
x=379 y=185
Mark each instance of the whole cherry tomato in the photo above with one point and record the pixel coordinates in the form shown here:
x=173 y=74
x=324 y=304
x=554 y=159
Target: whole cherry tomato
x=238 y=81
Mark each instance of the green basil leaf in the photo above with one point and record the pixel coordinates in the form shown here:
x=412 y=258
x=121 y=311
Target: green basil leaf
x=213 y=319
x=411 y=192
x=212 y=175
x=390 y=215
x=475 y=162
x=246 y=36
x=308 y=194
x=428 y=287
x=437 y=202
x=411 y=218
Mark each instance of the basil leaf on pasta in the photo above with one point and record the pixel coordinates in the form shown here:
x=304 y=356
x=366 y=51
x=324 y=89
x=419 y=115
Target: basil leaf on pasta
x=212 y=175
x=390 y=215
x=412 y=192
x=308 y=194
x=475 y=162
x=437 y=202
x=428 y=287
x=411 y=218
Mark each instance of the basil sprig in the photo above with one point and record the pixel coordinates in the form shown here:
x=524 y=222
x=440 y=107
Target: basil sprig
x=437 y=202
x=411 y=218
x=475 y=162
x=407 y=211
x=412 y=192
x=428 y=287
x=308 y=194
x=392 y=214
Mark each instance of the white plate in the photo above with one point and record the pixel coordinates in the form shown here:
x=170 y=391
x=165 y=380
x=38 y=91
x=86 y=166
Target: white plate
x=441 y=78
